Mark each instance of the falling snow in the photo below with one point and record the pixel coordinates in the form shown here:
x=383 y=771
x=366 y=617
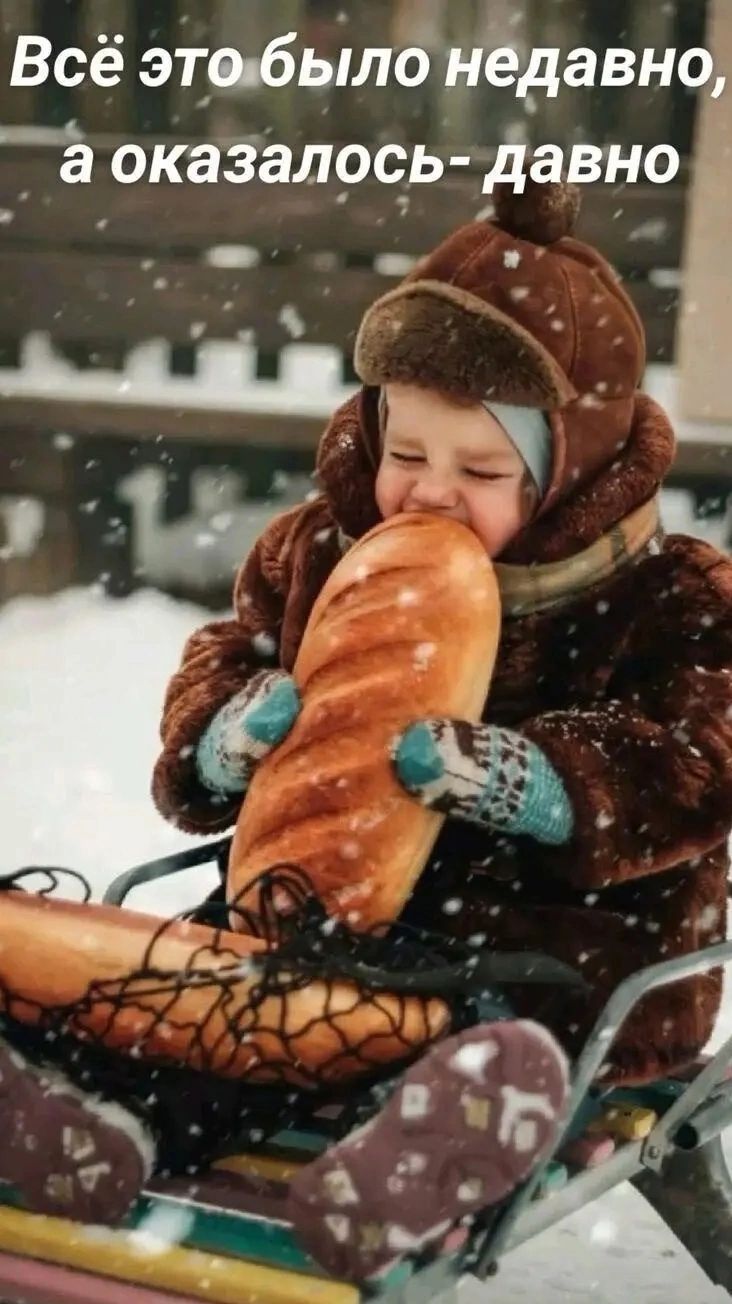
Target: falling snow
x=264 y=644
x=290 y=319
x=423 y=655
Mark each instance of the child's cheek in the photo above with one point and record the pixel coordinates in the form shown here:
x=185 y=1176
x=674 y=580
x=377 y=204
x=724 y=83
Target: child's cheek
x=496 y=520
x=390 y=490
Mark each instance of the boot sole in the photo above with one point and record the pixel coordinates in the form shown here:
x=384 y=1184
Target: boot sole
x=67 y=1153
x=467 y=1123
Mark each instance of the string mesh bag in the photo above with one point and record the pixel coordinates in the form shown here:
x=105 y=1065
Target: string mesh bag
x=323 y=1017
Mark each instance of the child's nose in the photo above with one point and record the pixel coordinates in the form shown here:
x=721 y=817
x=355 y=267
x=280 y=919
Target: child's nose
x=434 y=490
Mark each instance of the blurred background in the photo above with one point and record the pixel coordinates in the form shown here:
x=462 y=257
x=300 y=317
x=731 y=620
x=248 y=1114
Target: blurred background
x=169 y=354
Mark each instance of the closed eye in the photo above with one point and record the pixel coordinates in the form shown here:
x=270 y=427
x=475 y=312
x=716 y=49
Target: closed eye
x=486 y=475
x=415 y=459
x=403 y=457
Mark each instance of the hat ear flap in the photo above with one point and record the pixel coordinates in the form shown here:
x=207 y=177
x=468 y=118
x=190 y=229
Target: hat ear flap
x=347 y=462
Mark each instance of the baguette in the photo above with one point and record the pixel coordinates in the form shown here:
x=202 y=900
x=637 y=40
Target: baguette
x=52 y=952
x=406 y=627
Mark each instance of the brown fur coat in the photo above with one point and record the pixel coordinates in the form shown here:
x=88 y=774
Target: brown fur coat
x=627 y=688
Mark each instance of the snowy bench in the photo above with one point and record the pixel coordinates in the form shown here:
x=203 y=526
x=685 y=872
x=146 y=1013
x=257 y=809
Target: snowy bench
x=187 y=327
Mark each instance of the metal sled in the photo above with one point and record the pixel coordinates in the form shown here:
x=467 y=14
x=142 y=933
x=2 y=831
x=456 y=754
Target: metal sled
x=230 y=1241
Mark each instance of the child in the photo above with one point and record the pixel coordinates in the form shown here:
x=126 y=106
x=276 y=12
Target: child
x=587 y=814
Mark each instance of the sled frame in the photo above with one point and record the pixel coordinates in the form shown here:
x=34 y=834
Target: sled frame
x=120 y=887
x=680 y=1156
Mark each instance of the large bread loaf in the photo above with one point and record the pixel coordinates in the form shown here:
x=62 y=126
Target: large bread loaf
x=197 y=998
x=406 y=626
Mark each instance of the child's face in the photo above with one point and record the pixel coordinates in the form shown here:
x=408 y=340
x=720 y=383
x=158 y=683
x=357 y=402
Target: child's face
x=455 y=460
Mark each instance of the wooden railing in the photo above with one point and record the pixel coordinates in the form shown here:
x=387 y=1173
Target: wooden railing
x=96 y=270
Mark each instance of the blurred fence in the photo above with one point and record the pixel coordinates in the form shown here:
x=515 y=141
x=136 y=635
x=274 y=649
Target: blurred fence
x=154 y=335
x=92 y=276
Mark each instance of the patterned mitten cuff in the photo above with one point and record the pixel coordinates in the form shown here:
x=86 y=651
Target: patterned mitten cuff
x=245 y=729
x=485 y=775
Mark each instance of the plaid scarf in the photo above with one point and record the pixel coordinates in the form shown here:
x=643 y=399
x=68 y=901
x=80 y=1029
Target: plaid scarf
x=526 y=590
x=529 y=589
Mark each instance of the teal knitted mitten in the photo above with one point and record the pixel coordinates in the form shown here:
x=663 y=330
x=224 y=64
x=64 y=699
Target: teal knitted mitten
x=245 y=730
x=486 y=775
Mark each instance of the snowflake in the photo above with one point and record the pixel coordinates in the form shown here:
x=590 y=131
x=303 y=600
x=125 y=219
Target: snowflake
x=161 y=1228
x=655 y=229
x=511 y=258
x=604 y=1232
x=423 y=654
x=708 y=919
x=453 y=906
x=350 y=850
x=290 y=319
x=264 y=644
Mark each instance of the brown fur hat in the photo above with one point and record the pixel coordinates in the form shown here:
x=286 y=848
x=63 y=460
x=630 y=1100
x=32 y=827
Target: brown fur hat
x=517 y=310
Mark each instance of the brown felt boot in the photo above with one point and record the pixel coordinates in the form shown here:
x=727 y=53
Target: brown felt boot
x=66 y=1151
x=466 y=1124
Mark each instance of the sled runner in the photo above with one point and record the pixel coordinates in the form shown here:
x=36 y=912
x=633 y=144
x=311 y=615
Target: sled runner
x=223 y=1235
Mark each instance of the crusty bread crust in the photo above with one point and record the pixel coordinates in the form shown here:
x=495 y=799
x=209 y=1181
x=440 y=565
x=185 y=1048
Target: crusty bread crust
x=406 y=627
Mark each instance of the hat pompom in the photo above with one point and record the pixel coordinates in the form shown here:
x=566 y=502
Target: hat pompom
x=546 y=211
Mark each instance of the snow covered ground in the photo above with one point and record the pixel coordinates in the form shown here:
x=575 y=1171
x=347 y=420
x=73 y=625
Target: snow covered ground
x=81 y=684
